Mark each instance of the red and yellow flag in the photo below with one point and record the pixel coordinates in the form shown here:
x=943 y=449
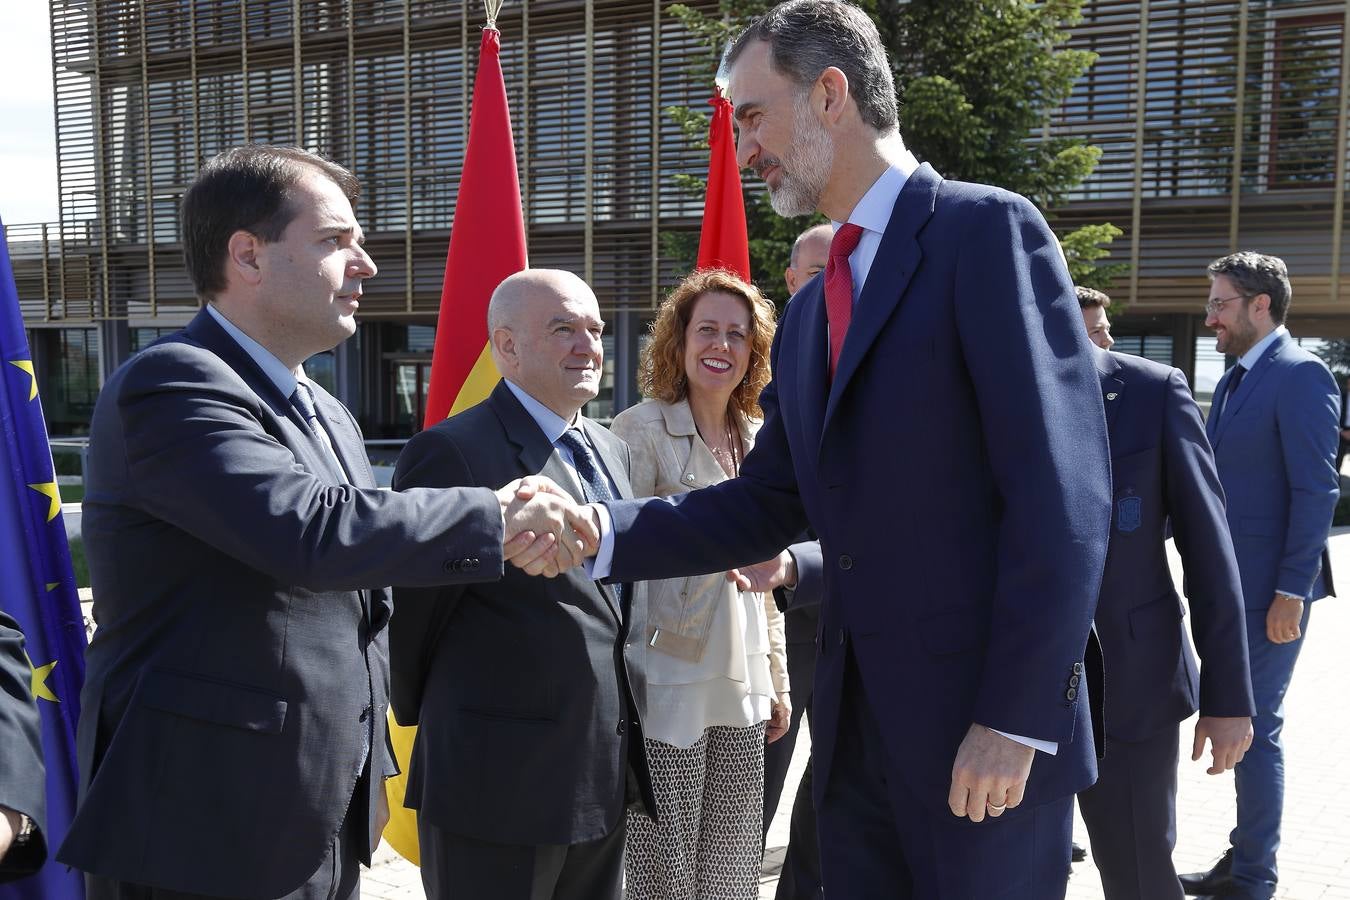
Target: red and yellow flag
x=723 y=243
x=487 y=243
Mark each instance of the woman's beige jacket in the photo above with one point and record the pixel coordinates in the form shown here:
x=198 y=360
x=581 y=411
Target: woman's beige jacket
x=669 y=457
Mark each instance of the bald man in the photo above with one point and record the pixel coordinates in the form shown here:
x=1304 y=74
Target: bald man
x=810 y=252
x=529 y=746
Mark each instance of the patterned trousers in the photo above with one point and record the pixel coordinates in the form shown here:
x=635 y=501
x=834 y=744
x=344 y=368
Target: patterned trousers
x=710 y=799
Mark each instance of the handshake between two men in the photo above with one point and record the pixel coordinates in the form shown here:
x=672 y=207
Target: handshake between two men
x=546 y=532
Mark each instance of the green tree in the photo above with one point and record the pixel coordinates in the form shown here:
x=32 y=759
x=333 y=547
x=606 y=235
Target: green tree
x=979 y=81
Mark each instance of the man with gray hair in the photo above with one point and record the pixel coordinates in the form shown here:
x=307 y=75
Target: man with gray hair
x=1273 y=427
x=936 y=419
x=526 y=693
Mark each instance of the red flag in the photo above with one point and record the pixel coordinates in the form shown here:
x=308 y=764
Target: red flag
x=487 y=243
x=724 y=243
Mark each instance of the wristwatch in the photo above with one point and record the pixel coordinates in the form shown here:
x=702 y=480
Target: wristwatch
x=26 y=830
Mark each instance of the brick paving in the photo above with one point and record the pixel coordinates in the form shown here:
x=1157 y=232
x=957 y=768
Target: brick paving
x=1315 y=856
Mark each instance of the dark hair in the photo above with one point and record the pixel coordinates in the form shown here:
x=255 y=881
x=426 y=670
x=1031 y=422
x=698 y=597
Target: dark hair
x=806 y=37
x=1255 y=273
x=246 y=189
x=661 y=363
x=1089 y=298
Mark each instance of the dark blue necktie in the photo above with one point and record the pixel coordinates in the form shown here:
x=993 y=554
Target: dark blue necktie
x=593 y=483
x=1238 y=371
x=303 y=400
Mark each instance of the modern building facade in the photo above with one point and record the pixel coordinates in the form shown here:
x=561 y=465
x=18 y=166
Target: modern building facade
x=1223 y=124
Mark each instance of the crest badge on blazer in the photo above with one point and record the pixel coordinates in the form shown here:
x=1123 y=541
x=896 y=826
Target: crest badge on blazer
x=1129 y=514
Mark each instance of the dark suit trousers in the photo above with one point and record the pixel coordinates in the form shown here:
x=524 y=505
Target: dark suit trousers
x=337 y=878
x=877 y=840
x=800 y=877
x=1131 y=817
x=461 y=868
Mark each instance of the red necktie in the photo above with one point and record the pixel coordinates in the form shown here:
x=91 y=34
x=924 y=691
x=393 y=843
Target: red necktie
x=839 y=287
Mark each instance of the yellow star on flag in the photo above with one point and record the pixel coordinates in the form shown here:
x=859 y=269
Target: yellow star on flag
x=49 y=490
x=27 y=366
x=40 y=674
x=52 y=585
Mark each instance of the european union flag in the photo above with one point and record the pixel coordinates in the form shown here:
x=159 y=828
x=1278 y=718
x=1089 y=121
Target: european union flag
x=37 y=586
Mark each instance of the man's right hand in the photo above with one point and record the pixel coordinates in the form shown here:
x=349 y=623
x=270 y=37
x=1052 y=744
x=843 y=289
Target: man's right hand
x=545 y=533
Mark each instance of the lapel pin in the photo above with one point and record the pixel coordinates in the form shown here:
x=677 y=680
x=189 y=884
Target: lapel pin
x=1111 y=396
x=689 y=478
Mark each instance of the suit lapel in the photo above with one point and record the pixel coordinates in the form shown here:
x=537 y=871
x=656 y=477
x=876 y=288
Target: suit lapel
x=896 y=261
x=812 y=357
x=614 y=466
x=1113 y=387
x=538 y=456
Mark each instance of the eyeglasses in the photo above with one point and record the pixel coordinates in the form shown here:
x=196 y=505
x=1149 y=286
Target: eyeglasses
x=1215 y=306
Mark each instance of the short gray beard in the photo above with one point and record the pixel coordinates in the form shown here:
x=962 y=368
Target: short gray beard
x=806 y=167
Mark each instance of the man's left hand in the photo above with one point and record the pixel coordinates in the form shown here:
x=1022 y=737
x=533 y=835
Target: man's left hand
x=989 y=775
x=1284 y=620
x=1229 y=738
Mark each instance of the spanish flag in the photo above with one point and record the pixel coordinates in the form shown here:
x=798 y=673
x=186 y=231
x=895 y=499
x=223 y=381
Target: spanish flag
x=487 y=243
x=723 y=243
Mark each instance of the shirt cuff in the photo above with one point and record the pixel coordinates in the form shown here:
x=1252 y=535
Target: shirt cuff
x=598 y=566
x=1297 y=595
x=1050 y=747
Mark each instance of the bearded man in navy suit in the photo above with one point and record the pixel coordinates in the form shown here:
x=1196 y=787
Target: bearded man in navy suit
x=1274 y=426
x=935 y=418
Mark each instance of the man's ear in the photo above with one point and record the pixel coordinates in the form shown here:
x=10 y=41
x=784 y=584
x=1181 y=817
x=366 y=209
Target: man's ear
x=790 y=276
x=831 y=95
x=242 y=251
x=505 y=350
x=1261 y=302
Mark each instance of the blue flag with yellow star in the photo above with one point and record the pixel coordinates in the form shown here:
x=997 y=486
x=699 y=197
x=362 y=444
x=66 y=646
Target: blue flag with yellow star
x=37 y=586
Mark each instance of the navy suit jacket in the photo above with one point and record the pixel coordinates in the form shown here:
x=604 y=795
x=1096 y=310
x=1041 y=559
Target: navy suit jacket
x=954 y=474
x=1163 y=471
x=1275 y=446
x=527 y=691
x=237 y=684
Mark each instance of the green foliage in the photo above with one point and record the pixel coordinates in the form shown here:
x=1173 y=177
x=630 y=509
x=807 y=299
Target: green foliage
x=978 y=81
x=1336 y=354
x=78 y=563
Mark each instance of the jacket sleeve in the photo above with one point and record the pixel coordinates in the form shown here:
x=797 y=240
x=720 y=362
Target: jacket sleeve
x=778 y=671
x=1306 y=416
x=22 y=772
x=810 y=589
x=1195 y=503
x=198 y=457
x=741 y=521
x=1044 y=427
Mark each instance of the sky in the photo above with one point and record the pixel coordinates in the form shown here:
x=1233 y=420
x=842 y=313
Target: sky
x=27 y=130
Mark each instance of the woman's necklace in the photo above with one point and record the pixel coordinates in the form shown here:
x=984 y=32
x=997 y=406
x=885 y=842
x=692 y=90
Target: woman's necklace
x=728 y=456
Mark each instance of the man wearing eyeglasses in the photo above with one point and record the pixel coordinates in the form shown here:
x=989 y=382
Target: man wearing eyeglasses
x=1273 y=427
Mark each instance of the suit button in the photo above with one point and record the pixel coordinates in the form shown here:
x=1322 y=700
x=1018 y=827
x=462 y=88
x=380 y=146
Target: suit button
x=1071 y=693
x=1078 y=668
x=449 y=565
x=845 y=562
x=621 y=728
x=1073 y=681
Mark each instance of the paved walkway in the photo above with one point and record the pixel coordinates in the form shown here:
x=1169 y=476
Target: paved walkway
x=1315 y=857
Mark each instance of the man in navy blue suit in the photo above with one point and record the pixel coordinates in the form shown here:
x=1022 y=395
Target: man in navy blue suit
x=1163 y=474
x=935 y=418
x=1274 y=427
